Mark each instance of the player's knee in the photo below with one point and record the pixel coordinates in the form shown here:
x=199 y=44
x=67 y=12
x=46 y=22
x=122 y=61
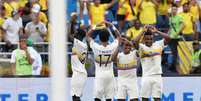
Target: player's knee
x=121 y=100
x=145 y=99
x=76 y=98
x=97 y=99
x=136 y=99
x=157 y=99
x=108 y=99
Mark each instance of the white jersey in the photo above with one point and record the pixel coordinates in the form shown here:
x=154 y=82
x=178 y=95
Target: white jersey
x=103 y=57
x=78 y=57
x=12 y=28
x=151 y=58
x=127 y=64
x=37 y=63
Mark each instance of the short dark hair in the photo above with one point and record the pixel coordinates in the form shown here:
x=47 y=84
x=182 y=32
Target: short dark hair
x=148 y=32
x=104 y=35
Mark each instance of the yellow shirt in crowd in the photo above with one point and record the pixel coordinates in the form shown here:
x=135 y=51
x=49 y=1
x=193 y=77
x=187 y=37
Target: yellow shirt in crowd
x=43 y=4
x=195 y=12
x=163 y=8
x=122 y=10
x=43 y=18
x=97 y=13
x=188 y=23
x=133 y=32
x=148 y=13
x=9 y=9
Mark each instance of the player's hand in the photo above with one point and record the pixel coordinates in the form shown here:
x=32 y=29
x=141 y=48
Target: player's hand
x=108 y=23
x=153 y=29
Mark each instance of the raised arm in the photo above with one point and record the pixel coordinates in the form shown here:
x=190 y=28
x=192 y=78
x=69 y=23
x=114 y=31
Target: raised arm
x=164 y=35
x=111 y=3
x=116 y=32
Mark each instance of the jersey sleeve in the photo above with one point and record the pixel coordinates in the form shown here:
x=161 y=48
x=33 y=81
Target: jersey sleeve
x=161 y=43
x=5 y=24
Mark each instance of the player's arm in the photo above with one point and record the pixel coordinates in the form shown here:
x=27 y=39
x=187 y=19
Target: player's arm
x=81 y=2
x=136 y=41
x=116 y=32
x=111 y=4
x=90 y=32
x=114 y=56
x=164 y=35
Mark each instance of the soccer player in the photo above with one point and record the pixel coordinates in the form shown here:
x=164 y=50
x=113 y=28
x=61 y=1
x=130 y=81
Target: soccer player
x=127 y=77
x=78 y=57
x=150 y=53
x=103 y=52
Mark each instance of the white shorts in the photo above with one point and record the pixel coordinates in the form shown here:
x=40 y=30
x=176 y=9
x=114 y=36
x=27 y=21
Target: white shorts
x=77 y=83
x=104 y=87
x=151 y=86
x=127 y=87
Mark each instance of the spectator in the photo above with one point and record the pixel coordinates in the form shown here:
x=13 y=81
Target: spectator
x=189 y=24
x=44 y=6
x=195 y=10
x=26 y=13
x=176 y=26
x=73 y=27
x=2 y=20
x=21 y=59
x=37 y=63
x=148 y=12
x=162 y=17
x=134 y=31
x=132 y=10
x=36 y=30
x=8 y=7
x=196 y=63
x=97 y=10
x=36 y=11
x=13 y=28
x=121 y=15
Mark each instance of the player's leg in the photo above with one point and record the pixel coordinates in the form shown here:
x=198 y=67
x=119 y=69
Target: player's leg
x=98 y=89
x=157 y=99
x=77 y=85
x=146 y=88
x=108 y=99
x=157 y=88
x=76 y=98
x=132 y=88
x=121 y=99
x=97 y=99
x=145 y=99
x=136 y=99
x=109 y=86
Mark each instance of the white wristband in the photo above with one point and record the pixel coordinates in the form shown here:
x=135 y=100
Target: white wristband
x=94 y=27
x=114 y=28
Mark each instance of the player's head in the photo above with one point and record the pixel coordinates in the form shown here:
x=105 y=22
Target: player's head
x=148 y=38
x=22 y=42
x=104 y=35
x=174 y=9
x=127 y=47
x=97 y=2
x=186 y=7
x=196 y=45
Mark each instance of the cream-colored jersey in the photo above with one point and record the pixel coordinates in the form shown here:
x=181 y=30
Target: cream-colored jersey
x=78 y=57
x=126 y=64
x=151 y=58
x=103 y=57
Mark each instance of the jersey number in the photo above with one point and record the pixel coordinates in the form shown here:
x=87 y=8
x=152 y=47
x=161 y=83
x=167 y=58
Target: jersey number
x=107 y=56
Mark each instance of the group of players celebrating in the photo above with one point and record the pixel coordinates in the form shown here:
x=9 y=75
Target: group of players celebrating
x=107 y=53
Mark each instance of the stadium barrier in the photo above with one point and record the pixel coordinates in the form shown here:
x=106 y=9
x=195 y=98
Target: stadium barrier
x=38 y=89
